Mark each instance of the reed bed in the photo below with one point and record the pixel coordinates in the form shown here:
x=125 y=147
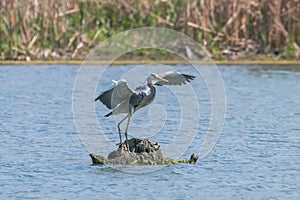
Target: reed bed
x=228 y=29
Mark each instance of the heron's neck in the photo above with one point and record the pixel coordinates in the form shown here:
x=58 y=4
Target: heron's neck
x=152 y=91
x=149 y=84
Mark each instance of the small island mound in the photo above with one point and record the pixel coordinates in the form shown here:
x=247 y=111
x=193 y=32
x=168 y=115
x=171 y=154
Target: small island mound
x=141 y=152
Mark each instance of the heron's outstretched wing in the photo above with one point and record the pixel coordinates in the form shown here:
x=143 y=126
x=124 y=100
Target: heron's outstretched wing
x=174 y=78
x=114 y=96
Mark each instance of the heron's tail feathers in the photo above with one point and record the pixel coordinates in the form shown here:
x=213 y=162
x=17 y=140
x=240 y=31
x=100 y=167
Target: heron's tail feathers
x=107 y=115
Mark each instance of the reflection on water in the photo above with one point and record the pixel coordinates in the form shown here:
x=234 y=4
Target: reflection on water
x=257 y=155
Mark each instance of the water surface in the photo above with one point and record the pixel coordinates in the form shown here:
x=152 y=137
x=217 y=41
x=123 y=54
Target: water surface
x=256 y=157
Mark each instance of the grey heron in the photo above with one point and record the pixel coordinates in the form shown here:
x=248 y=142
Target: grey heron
x=122 y=99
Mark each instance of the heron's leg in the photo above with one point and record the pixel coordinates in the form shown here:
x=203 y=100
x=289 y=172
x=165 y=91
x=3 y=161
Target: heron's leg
x=126 y=135
x=119 y=129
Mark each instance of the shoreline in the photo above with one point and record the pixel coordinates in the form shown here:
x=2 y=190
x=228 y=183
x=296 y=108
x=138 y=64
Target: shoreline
x=166 y=62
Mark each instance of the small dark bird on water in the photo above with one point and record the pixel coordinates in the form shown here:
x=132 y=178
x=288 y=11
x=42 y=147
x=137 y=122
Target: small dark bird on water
x=122 y=99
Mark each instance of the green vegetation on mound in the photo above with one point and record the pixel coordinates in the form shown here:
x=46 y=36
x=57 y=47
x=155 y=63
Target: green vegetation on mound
x=141 y=152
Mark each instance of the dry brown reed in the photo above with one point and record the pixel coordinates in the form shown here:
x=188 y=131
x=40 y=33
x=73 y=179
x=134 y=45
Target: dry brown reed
x=68 y=29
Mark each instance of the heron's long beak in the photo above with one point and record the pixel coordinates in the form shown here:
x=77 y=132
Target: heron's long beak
x=163 y=80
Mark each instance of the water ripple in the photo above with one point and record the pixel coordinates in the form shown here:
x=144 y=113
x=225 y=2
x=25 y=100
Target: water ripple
x=257 y=155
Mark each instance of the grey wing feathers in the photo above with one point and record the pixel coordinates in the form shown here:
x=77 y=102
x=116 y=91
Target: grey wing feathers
x=114 y=96
x=175 y=78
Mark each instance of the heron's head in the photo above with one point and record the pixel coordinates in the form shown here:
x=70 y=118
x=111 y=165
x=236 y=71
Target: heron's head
x=153 y=78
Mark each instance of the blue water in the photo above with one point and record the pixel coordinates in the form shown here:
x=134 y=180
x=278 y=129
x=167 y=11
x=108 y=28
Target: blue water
x=257 y=155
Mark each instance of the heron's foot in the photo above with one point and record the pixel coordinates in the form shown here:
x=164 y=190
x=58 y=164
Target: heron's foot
x=124 y=147
x=127 y=145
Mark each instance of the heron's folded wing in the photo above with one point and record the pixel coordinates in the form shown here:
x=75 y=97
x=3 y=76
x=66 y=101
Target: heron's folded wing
x=114 y=96
x=174 y=78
